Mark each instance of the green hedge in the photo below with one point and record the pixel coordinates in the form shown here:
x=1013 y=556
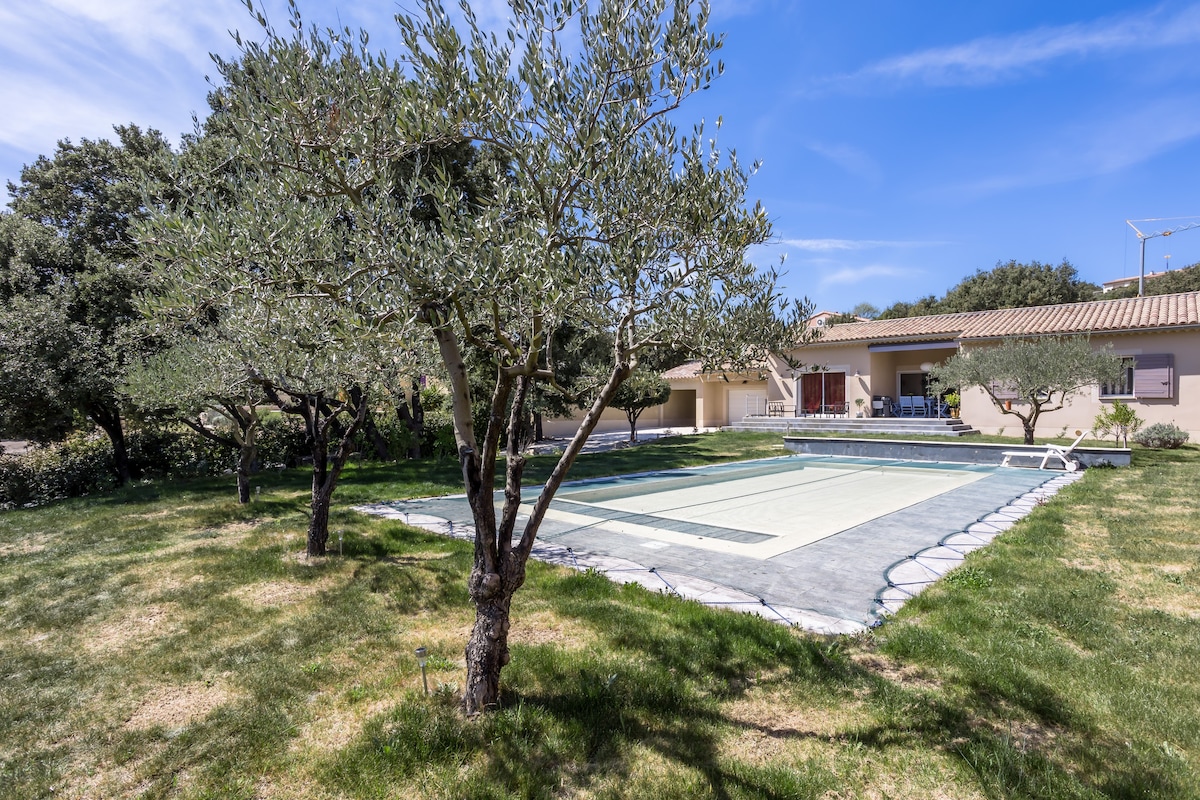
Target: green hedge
x=83 y=464
x=80 y=465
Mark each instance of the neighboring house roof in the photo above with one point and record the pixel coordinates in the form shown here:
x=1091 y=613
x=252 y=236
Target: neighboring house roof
x=691 y=369
x=1097 y=316
x=1121 y=283
x=821 y=318
x=695 y=369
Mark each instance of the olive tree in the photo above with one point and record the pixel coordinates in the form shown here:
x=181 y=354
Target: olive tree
x=197 y=378
x=1026 y=378
x=640 y=391
x=600 y=212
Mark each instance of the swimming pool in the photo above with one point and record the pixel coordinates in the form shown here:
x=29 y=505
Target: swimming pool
x=758 y=509
x=807 y=540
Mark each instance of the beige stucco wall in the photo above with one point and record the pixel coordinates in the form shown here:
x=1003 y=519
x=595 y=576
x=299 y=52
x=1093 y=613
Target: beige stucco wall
x=847 y=359
x=678 y=412
x=878 y=373
x=709 y=397
x=1182 y=409
x=611 y=420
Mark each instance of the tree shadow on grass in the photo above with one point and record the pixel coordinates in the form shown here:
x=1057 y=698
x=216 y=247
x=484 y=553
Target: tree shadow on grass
x=583 y=719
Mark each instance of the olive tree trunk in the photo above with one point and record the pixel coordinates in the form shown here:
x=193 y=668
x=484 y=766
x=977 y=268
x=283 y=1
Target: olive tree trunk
x=246 y=455
x=322 y=419
x=499 y=567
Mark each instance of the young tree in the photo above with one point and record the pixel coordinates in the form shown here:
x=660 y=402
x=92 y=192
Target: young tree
x=1026 y=378
x=1120 y=420
x=640 y=391
x=602 y=214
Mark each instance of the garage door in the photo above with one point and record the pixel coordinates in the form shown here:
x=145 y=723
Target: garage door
x=746 y=402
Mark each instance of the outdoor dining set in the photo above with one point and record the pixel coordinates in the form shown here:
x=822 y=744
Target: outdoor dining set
x=904 y=406
x=919 y=406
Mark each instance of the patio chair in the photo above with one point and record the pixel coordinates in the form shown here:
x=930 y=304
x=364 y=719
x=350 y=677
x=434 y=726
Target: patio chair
x=1063 y=454
x=912 y=405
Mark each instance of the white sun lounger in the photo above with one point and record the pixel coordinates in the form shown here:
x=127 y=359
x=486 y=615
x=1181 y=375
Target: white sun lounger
x=1063 y=454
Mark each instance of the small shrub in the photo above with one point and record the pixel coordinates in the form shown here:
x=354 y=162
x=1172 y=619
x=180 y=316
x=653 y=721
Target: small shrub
x=176 y=451
x=438 y=440
x=80 y=465
x=16 y=481
x=283 y=440
x=395 y=433
x=83 y=463
x=1162 y=436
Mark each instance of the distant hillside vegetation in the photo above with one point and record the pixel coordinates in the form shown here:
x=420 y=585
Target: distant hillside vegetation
x=1007 y=285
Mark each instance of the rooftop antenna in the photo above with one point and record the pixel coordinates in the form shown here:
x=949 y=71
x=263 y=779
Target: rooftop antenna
x=1164 y=232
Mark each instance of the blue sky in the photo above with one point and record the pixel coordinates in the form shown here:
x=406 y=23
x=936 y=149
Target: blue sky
x=904 y=146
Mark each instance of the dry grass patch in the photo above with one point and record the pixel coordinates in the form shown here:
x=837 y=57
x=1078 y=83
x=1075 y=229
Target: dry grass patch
x=178 y=706
x=889 y=669
x=25 y=547
x=228 y=535
x=136 y=627
x=546 y=627
x=275 y=594
x=781 y=717
x=878 y=777
x=104 y=780
x=1179 y=603
x=1028 y=736
x=768 y=728
x=166 y=513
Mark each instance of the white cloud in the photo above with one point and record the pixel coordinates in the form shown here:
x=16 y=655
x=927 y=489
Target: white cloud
x=993 y=58
x=74 y=68
x=728 y=9
x=1098 y=147
x=851 y=159
x=862 y=274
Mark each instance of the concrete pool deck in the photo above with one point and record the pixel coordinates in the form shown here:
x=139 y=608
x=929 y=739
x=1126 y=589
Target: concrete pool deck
x=840 y=581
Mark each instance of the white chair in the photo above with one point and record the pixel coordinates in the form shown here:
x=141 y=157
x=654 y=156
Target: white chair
x=1063 y=454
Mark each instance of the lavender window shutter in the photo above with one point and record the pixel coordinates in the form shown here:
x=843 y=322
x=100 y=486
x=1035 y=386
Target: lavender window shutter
x=1154 y=376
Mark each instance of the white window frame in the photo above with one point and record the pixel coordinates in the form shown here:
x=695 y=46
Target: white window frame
x=1129 y=362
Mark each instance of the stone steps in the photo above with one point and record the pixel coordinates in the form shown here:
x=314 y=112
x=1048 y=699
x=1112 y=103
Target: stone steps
x=892 y=425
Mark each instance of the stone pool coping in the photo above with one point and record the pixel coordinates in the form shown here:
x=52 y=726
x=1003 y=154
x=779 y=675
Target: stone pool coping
x=955 y=451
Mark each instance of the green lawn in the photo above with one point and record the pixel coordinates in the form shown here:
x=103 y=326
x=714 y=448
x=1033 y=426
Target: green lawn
x=165 y=642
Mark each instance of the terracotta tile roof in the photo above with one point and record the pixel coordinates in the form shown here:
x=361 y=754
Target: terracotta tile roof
x=695 y=369
x=1096 y=316
x=689 y=370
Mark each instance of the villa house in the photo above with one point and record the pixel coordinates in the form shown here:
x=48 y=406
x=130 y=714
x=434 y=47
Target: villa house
x=1158 y=336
